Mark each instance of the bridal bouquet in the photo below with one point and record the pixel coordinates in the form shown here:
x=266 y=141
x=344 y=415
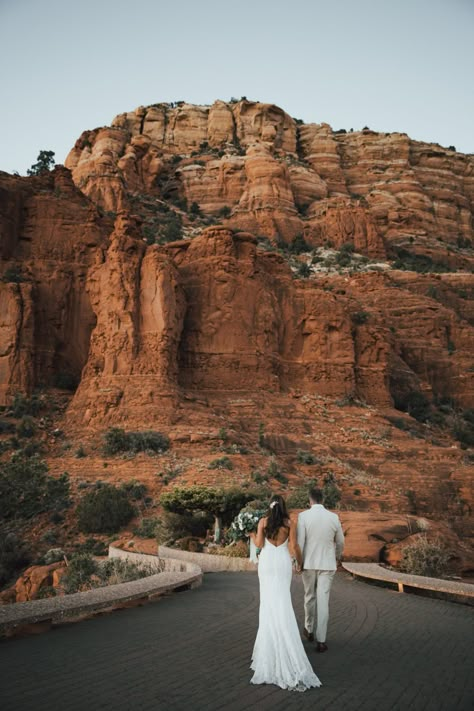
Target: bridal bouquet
x=244 y=523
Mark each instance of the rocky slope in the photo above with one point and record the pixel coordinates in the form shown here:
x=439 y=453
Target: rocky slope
x=195 y=269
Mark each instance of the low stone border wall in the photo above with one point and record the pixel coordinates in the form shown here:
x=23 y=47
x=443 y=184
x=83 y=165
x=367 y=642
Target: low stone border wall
x=22 y=617
x=451 y=589
x=208 y=562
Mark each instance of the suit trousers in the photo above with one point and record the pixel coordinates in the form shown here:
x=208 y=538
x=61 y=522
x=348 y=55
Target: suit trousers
x=317 y=586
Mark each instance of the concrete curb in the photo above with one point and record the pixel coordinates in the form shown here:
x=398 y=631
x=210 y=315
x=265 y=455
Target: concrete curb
x=35 y=615
x=207 y=562
x=449 y=589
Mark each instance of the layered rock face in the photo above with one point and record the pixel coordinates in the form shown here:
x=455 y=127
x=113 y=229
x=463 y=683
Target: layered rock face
x=50 y=237
x=280 y=178
x=218 y=320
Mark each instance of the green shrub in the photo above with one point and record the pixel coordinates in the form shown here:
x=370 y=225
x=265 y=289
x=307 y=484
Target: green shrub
x=343 y=259
x=305 y=457
x=236 y=550
x=80 y=569
x=116 y=440
x=147 y=528
x=171 y=527
x=298 y=245
x=224 y=211
x=54 y=555
x=26 y=489
x=13 y=556
x=359 y=317
x=421 y=263
x=92 y=545
x=80 y=452
x=221 y=463
x=331 y=492
x=26 y=427
x=303 y=271
x=26 y=406
x=415 y=403
x=274 y=472
x=424 y=557
x=134 y=490
x=50 y=537
x=464 y=433
x=6 y=427
x=104 y=510
x=299 y=498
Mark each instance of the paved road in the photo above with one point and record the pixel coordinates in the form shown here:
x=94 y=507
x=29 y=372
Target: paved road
x=190 y=651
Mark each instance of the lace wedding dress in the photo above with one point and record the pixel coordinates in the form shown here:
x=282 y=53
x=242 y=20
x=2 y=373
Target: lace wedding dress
x=278 y=655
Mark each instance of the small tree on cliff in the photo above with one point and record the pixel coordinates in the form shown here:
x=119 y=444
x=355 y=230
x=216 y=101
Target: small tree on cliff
x=218 y=502
x=45 y=162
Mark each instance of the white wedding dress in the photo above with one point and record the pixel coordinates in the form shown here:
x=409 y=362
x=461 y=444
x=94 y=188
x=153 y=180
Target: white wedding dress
x=278 y=655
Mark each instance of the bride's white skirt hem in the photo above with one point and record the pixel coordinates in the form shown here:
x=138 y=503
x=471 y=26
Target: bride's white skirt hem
x=295 y=685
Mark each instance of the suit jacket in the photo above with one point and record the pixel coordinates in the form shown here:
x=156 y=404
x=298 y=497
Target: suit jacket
x=320 y=538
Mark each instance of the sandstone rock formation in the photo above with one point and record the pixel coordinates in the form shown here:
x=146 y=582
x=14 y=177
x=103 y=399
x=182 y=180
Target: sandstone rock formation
x=199 y=268
x=379 y=191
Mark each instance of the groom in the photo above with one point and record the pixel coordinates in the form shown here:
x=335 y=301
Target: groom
x=321 y=540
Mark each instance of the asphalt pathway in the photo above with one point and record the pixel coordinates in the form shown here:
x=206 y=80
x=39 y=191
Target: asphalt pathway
x=191 y=651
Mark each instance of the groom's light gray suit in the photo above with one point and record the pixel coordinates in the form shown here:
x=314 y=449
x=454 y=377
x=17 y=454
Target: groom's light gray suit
x=321 y=540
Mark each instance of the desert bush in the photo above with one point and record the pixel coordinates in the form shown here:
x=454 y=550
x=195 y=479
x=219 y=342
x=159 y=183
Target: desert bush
x=92 y=545
x=224 y=211
x=26 y=489
x=13 y=556
x=236 y=550
x=305 y=457
x=171 y=527
x=26 y=406
x=54 y=555
x=26 y=427
x=298 y=245
x=221 y=463
x=421 y=263
x=331 y=492
x=104 y=510
x=50 y=537
x=80 y=452
x=116 y=440
x=359 y=317
x=147 y=528
x=298 y=498
x=425 y=557
x=119 y=570
x=303 y=271
x=6 y=427
x=134 y=490
x=80 y=569
x=415 y=403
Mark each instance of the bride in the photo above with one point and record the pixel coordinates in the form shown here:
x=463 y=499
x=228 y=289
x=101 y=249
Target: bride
x=278 y=655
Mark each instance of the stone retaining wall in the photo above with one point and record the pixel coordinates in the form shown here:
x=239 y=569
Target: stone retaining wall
x=37 y=614
x=207 y=562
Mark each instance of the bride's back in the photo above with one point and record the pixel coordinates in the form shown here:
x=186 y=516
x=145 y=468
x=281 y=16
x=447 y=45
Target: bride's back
x=280 y=536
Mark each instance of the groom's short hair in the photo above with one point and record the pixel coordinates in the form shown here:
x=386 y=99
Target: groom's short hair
x=316 y=495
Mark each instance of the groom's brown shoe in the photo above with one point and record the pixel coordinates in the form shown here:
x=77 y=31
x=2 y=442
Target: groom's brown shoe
x=309 y=635
x=321 y=647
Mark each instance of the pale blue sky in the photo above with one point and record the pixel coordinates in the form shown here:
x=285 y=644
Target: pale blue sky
x=393 y=65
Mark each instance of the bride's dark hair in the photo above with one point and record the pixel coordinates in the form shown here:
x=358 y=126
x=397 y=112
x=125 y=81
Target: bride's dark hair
x=277 y=516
